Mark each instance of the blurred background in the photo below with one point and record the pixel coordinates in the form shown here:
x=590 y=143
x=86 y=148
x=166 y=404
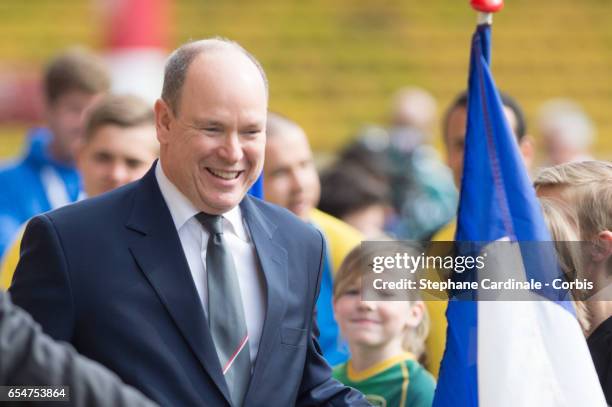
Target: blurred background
x=333 y=66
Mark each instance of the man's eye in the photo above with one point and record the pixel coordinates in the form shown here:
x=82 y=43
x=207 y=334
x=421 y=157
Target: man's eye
x=103 y=158
x=251 y=132
x=279 y=173
x=134 y=163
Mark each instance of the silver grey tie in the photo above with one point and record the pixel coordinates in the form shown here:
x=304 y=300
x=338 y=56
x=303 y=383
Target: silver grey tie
x=225 y=311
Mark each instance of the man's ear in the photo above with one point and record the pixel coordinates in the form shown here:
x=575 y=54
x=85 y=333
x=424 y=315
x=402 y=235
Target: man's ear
x=527 y=147
x=163 y=120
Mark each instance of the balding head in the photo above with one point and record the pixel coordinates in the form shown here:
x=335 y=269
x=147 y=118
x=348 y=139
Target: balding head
x=567 y=131
x=290 y=176
x=281 y=126
x=211 y=124
x=414 y=107
x=181 y=59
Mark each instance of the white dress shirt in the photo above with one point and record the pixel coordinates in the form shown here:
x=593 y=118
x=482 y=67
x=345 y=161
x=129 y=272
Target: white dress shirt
x=194 y=239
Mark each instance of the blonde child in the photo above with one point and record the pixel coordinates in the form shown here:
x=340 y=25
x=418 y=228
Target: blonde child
x=385 y=339
x=586 y=187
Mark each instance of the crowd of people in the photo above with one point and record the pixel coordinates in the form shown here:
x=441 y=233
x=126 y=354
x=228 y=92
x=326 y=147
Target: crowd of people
x=127 y=234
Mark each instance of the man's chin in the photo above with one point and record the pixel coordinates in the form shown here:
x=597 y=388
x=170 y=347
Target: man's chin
x=301 y=211
x=221 y=205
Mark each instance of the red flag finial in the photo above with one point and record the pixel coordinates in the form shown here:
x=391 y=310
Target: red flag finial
x=487 y=6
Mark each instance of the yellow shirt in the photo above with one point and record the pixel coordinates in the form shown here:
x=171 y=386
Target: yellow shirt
x=436 y=341
x=341 y=237
x=10 y=260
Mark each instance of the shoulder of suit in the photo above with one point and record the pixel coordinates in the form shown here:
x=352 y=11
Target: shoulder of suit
x=282 y=217
x=110 y=204
x=336 y=229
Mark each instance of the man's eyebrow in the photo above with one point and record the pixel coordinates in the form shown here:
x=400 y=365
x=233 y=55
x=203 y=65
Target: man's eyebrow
x=206 y=122
x=253 y=125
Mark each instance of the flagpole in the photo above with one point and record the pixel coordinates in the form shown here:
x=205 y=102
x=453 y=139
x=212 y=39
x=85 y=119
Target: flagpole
x=485 y=9
x=485 y=18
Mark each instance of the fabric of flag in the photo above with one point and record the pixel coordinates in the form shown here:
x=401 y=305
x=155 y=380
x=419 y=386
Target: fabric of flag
x=256 y=189
x=508 y=353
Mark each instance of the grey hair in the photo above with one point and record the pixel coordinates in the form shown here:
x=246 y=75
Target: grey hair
x=573 y=127
x=179 y=61
x=278 y=124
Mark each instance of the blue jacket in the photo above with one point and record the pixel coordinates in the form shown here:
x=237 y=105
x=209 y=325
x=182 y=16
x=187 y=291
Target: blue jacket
x=23 y=192
x=109 y=275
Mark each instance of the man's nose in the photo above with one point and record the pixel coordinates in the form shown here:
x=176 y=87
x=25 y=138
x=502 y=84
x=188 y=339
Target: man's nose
x=297 y=181
x=118 y=173
x=231 y=150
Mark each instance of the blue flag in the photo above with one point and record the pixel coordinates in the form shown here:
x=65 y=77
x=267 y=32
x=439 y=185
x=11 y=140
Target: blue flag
x=508 y=353
x=256 y=189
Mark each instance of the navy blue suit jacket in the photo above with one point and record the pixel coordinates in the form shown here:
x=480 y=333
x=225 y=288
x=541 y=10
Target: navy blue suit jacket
x=109 y=276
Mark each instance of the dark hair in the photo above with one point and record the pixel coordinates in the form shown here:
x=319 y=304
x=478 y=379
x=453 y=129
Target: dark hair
x=75 y=69
x=118 y=110
x=179 y=61
x=368 y=150
x=347 y=187
x=462 y=100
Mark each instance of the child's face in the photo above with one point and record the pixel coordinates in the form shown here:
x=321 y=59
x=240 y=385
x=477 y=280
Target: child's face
x=373 y=323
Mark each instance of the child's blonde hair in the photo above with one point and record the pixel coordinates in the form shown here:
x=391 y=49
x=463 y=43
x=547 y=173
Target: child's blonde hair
x=574 y=178
x=563 y=225
x=355 y=266
x=594 y=208
x=587 y=187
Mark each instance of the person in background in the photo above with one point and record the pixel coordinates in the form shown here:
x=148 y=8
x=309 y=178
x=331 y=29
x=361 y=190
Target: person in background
x=422 y=191
x=586 y=188
x=414 y=108
x=385 y=338
x=595 y=219
x=354 y=195
x=560 y=189
x=454 y=126
x=562 y=222
x=567 y=132
x=118 y=147
x=291 y=181
x=45 y=177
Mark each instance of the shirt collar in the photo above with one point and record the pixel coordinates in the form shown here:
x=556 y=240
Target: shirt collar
x=182 y=210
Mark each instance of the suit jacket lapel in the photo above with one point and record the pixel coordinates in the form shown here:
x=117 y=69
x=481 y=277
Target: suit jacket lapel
x=159 y=254
x=273 y=260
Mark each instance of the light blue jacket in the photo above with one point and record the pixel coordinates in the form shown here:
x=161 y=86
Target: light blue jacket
x=23 y=193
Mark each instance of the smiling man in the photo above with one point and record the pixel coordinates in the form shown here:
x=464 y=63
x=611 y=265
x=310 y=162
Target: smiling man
x=186 y=287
